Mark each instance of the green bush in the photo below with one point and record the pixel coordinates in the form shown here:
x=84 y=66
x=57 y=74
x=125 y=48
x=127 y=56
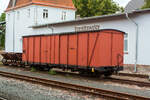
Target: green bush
x=33 y=69
x=52 y=72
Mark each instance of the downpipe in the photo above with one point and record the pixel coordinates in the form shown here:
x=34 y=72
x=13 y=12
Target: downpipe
x=52 y=28
x=137 y=36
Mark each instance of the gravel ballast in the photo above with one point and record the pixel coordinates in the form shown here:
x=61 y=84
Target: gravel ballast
x=68 y=79
x=19 y=90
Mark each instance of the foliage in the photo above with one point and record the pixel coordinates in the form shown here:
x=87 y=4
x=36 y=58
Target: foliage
x=2 y=18
x=2 y=31
x=87 y=8
x=52 y=72
x=147 y=4
x=33 y=69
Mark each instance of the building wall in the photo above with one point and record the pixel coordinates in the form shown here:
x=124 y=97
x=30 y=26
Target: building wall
x=9 y=29
x=54 y=14
x=17 y=23
x=119 y=23
x=144 y=39
x=19 y=20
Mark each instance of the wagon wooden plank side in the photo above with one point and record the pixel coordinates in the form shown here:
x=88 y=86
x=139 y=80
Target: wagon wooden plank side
x=93 y=51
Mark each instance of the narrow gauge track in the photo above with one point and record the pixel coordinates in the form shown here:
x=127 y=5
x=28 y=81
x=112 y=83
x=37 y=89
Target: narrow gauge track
x=89 y=90
x=133 y=75
x=130 y=82
x=111 y=79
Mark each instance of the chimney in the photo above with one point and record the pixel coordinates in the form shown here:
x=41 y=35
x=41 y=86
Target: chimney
x=14 y=3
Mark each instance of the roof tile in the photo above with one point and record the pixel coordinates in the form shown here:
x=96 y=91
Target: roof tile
x=54 y=3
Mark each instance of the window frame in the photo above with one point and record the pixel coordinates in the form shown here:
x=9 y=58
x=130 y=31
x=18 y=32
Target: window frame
x=45 y=13
x=126 y=38
x=64 y=14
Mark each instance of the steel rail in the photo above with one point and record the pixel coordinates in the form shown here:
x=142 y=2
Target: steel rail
x=84 y=89
x=116 y=80
x=133 y=75
x=112 y=79
x=130 y=82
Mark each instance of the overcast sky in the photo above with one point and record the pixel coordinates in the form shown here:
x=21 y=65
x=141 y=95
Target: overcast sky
x=122 y=2
x=4 y=3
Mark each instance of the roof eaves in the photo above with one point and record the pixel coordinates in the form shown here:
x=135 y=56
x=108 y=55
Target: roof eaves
x=13 y=8
x=91 y=18
x=52 y=5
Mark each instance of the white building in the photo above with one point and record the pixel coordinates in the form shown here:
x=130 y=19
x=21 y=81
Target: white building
x=21 y=14
x=40 y=18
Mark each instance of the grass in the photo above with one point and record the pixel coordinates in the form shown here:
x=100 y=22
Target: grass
x=52 y=72
x=33 y=69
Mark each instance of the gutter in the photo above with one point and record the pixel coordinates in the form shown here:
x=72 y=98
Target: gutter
x=137 y=36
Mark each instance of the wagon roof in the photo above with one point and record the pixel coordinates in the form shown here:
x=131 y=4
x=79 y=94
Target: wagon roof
x=64 y=33
x=91 y=18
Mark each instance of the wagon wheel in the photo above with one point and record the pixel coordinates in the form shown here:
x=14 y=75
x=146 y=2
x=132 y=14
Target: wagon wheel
x=4 y=61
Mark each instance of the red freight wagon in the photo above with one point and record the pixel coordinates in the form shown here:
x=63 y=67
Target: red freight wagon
x=87 y=52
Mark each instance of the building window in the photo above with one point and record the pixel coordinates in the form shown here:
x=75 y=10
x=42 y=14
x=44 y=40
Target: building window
x=45 y=13
x=63 y=17
x=28 y=12
x=18 y=15
x=126 y=43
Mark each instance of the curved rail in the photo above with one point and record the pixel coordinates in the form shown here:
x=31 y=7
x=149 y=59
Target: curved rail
x=130 y=82
x=133 y=75
x=89 y=90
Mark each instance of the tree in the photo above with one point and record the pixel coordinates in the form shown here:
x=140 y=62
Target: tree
x=87 y=8
x=2 y=31
x=147 y=4
x=2 y=18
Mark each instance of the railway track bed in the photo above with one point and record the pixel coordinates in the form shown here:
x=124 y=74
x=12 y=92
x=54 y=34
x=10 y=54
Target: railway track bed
x=77 y=79
x=134 y=75
x=127 y=79
x=90 y=90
